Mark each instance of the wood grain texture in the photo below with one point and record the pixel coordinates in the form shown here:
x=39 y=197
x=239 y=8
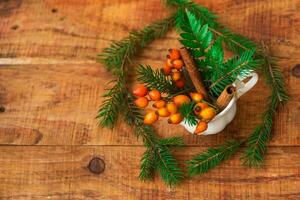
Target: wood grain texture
x=51 y=87
x=61 y=173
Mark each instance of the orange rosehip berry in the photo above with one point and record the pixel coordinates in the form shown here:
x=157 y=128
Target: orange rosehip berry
x=174 y=54
x=199 y=107
x=201 y=127
x=180 y=83
x=141 y=102
x=159 y=104
x=196 y=97
x=167 y=70
x=175 y=118
x=208 y=113
x=176 y=76
x=154 y=95
x=150 y=117
x=172 y=108
x=163 y=112
x=169 y=63
x=177 y=64
x=140 y=90
x=181 y=99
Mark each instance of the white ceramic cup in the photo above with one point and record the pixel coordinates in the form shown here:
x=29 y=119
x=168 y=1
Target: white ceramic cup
x=226 y=116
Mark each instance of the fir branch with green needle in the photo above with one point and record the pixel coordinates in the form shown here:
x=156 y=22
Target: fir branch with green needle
x=239 y=44
x=155 y=79
x=273 y=76
x=109 y=110
x=257 y=142
x=172 y=141
x=220 y=74
x=147 y=165
x=114 y=56
x=228 y=72
x=117 y=59
x=234 y=42
x=167 y=166
x=211 y=158
x=187 y=112
x=164 y=161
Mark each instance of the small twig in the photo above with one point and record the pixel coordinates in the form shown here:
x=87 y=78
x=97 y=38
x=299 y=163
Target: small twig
x=233 y=41
x=266 y=49
x=228 y=74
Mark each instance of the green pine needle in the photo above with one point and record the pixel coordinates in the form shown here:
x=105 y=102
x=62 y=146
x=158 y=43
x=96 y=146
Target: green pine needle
x=168 y=168
x=211 y=158
x=225 y=74
x=274 y=77
x=155 y=79
x=172 y=141
x=257 y=141
x=187 y=112
x=109 y=110
x=200 y=39
x=120 y=53
x=147 y=165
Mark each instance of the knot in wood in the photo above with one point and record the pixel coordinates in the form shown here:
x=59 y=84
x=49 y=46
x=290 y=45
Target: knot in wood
x=296 y=70
x=96 y=165
x=2 y=109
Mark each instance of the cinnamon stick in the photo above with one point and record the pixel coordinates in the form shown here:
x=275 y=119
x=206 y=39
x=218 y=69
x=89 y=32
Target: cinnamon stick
x=226 y=96
x=193 y=72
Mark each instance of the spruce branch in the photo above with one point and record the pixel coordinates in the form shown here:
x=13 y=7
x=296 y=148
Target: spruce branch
x=234 y=42
x=119 y=101
x=257 y=141
x=211 y=158
x=164 y=161
x=120 y=52
x=109 y=110
x=172 y=141
x=147 y=165
x=155 y=79
x=273 y=75
x=228 y=72
x=187 y=112
x=167 y=166
x=220 y=74
x=199 y=28
x=117 y=58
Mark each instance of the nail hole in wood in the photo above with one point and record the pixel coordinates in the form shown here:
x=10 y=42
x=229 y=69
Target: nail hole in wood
x=54 y=10
x=96 y=165
x=296 y=70
x=2 y=109
x=14 y=27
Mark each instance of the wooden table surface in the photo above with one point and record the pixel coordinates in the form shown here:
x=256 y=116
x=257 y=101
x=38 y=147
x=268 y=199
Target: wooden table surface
x=51 y=87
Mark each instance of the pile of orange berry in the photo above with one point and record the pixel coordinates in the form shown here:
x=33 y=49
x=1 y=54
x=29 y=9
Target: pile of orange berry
x=170 y=109
x=162 y=107
x=173 y=68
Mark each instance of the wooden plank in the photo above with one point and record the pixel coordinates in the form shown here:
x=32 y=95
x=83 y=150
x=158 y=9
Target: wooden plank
x=57 y=105
x=77 y=30
x=61 y=173
x=72 y=30
x=51 y=88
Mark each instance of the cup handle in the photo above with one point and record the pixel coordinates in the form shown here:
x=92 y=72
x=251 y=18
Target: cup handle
x=242 y=87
